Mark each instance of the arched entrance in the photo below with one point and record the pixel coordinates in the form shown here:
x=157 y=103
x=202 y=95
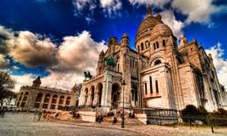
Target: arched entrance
x=115 y=94
x=100 y=87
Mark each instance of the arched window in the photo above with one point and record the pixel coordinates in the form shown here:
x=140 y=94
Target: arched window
x=156 y=86
x=157 y=62
x=157 y=45
x=61 y=101
x=145 y=88
x=154 y=45
x=151 y=87
x=164 y=43
x=68 y=100
x=47 y=98
x=142 y=48
x=54 y=100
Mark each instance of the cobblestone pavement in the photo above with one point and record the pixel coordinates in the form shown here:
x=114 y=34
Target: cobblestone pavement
x=21 y=124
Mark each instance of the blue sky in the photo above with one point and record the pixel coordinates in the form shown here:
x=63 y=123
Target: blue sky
x=59 y=39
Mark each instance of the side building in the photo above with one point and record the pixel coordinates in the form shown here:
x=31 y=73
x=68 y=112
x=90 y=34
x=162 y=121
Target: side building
x=160 y=73
x=36 y=97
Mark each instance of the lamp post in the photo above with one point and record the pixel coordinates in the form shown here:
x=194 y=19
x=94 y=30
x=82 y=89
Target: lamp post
x=123 y=118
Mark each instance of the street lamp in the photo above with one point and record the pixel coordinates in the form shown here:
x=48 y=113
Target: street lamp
x=123 y=119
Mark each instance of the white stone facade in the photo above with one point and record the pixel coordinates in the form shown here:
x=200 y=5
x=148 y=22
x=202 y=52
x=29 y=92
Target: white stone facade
x=159 y=74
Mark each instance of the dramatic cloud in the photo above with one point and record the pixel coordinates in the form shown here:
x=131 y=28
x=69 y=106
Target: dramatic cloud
x=28 y=50
x=196 y=10
x=79 y=53
x=169 y=19
x=158 y=3
x=219 y=62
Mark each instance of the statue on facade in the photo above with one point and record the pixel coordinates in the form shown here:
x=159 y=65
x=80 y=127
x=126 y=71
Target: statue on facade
x=110 y=61
x=87 y=74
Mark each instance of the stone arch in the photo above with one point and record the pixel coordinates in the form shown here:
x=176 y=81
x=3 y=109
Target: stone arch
x=68 y=99
x=38 y=100
x=115 y=95
x=99 y=92
x=46 y=101
x=92 y=93
x=54 y=101
x=61 y=100
x=156 y=61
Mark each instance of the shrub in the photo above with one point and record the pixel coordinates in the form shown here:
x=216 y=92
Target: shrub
x=191 y=114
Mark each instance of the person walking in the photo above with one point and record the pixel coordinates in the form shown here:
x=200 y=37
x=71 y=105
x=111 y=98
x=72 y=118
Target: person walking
x=39 y=115
x=3 y=112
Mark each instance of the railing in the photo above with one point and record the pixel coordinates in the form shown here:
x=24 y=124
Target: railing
x=210 y=122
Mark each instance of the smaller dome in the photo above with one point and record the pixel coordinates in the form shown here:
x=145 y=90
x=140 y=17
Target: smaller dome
x=161 y=30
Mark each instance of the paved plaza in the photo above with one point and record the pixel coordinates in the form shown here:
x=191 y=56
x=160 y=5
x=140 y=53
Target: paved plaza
x=21 y=124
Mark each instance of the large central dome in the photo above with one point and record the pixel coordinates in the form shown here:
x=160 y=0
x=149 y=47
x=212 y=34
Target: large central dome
x=148 y=22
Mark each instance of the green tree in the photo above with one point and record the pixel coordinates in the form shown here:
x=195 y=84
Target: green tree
x=6 y=84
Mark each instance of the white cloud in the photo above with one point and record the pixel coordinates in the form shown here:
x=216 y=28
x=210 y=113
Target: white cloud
x=63 y=81
x=219 y=62
x=22 y=80
x=79 y=53
x=157 y=3
x=28 y=50
x=110 y=7
x=168 y=18
x=196 y=10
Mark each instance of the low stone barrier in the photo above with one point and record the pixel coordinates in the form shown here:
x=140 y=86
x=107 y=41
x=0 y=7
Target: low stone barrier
x=88 y=116
x=142 y=118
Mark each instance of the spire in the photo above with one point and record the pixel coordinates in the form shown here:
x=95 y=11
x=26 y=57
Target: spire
x=149 y=10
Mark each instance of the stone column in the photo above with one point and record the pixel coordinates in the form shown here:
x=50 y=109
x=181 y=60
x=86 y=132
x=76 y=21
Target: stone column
x=95 y=101
x=56 y=106
x=42 y=101
x=89 y=100
x=50 y=101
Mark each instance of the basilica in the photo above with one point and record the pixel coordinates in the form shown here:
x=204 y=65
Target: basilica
x=160 y=73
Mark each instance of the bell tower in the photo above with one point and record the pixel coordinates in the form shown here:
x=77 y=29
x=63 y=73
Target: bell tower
x=37 y=82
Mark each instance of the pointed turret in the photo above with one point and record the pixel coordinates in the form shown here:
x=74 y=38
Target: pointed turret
x=37 y=82
x=125 y=40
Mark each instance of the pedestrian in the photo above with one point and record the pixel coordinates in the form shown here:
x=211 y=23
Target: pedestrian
x=39 y=115
x=114 y=120
x=3 y=112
